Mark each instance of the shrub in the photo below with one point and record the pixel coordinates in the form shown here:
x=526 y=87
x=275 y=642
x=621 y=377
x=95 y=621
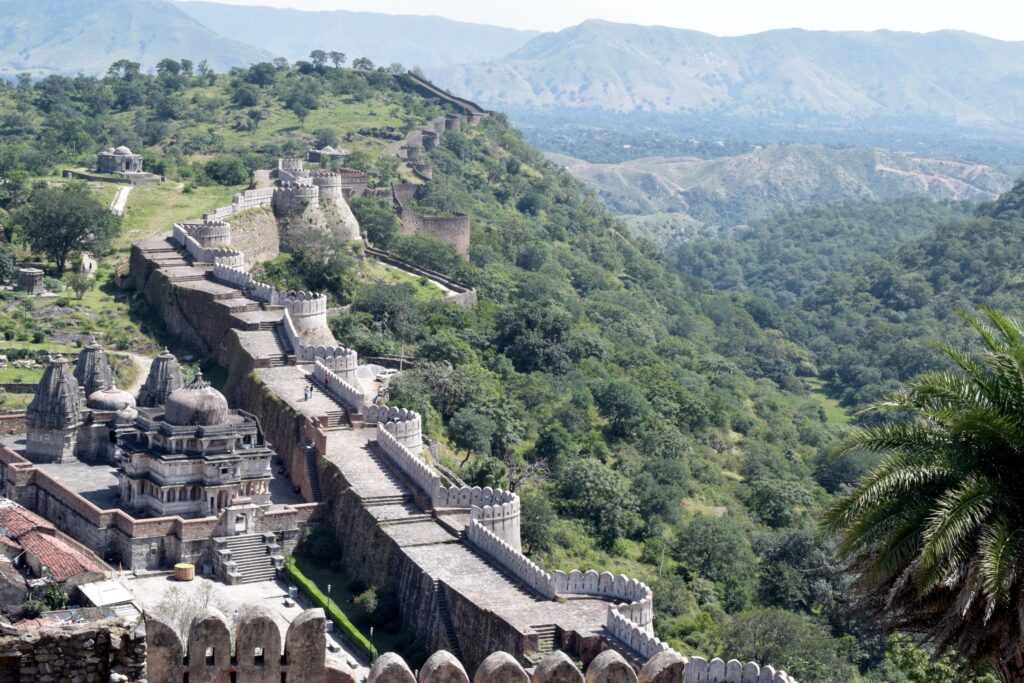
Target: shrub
x=227 y=171
x=334 y=612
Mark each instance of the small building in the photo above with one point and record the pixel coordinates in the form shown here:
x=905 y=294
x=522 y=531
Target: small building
x=30 y=281
x=118 y=160
x=52 y=558
x=326 y=154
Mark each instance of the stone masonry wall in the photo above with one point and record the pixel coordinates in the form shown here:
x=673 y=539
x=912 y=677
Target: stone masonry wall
x=74 y=654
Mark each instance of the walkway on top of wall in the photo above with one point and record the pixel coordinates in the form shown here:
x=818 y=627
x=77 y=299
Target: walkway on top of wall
x=427 y=542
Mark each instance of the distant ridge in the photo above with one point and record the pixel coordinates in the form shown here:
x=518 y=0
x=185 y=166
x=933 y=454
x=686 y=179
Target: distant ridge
x=785 y=75
x=85 y=36
x=422 y=41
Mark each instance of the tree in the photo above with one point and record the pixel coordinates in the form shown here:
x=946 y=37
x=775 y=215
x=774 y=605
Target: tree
x=377 y=219
x=262 y=74
x=935 y=532
x=7 y=264
x=79 y=283
x=337 y=58
x=58 y=221
x=788 y=641
x=717 y=549
x=471 y=430
x=227 y=170
x=362 y=64
x=319 y=59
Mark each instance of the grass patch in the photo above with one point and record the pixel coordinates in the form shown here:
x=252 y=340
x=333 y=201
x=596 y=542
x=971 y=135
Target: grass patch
x=155 y=208
x=425 y=289
x=12 y=375
x=834 y=413
x=310 y=586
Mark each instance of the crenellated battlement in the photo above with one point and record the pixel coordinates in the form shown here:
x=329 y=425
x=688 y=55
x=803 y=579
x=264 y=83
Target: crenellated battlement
x=308 y=309
x=259 y=654
x=331 y=185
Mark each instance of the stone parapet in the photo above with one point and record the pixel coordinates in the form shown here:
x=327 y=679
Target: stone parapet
x=258 y=656
x=409 y=463
x=404 y=425
x=511 y=559
x=338 y=387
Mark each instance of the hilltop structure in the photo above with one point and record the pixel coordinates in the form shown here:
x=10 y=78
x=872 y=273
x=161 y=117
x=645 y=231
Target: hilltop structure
x=118 y=161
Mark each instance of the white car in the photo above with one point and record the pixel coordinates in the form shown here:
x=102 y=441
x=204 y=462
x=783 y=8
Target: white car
x=386 y=374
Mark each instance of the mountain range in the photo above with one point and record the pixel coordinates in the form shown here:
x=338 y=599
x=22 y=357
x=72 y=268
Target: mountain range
x=85 y=36
x=422 y=41
x=784 y=75
x=662 y=198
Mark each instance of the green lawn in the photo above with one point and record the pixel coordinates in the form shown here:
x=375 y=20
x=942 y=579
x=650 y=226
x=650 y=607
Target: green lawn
x=155 y=208
x=425 y=290
x=11 y=374
x=342 y=596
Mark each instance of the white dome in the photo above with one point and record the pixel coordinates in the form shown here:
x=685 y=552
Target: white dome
x=122 y=150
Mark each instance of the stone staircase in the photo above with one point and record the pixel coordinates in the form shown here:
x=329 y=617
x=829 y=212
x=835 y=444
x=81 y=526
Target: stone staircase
x=280 y=359
x=446 y=620
x=399 y=499
x=337 y=417
x=547 y=635
x=248 y=558
x=314 y=473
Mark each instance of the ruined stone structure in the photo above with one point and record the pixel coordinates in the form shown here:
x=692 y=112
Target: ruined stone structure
x=327 y=153
x=319 y=197
x=93 y=651
x=453 y=229
x=54 y=414
x=119 y=160
x=30 y=281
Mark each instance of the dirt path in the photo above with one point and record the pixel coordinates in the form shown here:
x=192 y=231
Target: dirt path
x=142 y=364
x=117 y=204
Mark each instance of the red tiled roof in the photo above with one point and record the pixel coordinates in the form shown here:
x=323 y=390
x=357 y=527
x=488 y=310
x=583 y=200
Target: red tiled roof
x=16 y=521
x=10 y=542
x=35 y=623
x=63 y=561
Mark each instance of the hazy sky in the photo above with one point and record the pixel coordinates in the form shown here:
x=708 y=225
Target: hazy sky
x=998 y=18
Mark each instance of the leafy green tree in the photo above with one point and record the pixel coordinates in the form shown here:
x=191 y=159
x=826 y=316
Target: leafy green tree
x=79 y=283
x=537 y=517
x=319 y=59
x=593 y=492
x=717 y=549
x=377 y=219
x=59 y=221
x=362 y=64
x=7 y=263
x=471 y=430
x=337 y=58
x=262 y=74
x=227 y=170
x=935 y=531
x=800 y=646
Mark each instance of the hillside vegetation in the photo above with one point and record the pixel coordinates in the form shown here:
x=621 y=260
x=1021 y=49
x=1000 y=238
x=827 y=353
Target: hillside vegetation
x=728 y=191
x=652 y=425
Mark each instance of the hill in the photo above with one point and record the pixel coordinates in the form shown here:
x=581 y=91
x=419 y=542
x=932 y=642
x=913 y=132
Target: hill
x=724 y=192
x=86 y=36
x=784 y=75
x=650 y=423
x=422 y=41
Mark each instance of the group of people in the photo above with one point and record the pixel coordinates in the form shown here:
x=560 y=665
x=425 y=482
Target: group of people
x=307 y=393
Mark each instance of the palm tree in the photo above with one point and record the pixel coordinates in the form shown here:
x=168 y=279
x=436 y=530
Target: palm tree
x=935 y=533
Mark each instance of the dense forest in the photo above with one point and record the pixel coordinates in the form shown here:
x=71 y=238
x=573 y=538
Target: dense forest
x=667 y=425
x=869 y=288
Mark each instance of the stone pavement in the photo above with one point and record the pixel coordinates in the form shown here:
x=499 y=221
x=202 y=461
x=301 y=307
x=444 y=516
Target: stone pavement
x=149 y=590
x=441 y=554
